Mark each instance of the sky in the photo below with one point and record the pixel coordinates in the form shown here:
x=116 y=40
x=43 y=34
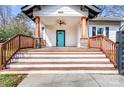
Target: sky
x=16 y=9
x=109 y=11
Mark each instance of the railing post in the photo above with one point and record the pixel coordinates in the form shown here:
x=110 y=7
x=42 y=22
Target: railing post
x=88 y=43
x=0 y=56
x=19 y=41
x=101 y=42
x=33 y=40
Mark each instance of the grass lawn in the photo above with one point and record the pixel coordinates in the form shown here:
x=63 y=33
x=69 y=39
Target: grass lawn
x=11 y=80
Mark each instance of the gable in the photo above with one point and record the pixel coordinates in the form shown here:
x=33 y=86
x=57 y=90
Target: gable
x=61 y=10
x=31 y=10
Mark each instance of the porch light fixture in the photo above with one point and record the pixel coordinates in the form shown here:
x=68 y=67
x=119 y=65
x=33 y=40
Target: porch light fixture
x=60 y=22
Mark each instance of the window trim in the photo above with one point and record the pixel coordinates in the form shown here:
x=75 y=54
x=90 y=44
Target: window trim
x=104 y=30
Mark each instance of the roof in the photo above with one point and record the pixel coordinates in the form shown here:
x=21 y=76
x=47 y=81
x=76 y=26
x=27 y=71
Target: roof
x=28 y=10
x=101 y=18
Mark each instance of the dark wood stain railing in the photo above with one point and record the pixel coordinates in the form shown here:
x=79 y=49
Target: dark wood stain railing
x=11 y=46
x=105 y=44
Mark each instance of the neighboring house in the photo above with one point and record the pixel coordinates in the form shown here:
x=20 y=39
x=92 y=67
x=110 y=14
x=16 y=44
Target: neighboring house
x=108 y=26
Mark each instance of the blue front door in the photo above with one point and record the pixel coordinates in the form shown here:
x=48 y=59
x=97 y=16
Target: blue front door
x=60 y=40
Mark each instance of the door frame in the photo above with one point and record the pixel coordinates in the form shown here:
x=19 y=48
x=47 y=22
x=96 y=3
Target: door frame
x=57 y=37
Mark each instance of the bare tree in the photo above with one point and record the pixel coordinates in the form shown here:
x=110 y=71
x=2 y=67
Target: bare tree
x=11 y=24
x=112 y=10
x=5 y=15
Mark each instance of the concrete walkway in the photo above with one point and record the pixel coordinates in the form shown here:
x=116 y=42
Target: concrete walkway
x=72 y=80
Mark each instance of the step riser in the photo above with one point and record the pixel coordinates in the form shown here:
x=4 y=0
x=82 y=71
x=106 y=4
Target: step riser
x=60 y=60
x=62 y=72
x=34 y=55
x=60 y=52
x=60 y=65
x=27 y=63
x=61 y=68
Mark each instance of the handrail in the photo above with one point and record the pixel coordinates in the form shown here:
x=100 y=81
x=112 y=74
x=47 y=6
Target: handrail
x=106 y=45
x=12 y=45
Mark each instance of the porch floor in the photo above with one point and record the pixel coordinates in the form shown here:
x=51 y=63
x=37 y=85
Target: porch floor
x=60 y=49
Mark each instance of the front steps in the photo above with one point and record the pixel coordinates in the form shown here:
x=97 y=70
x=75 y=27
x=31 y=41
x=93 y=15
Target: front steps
x=60 y=61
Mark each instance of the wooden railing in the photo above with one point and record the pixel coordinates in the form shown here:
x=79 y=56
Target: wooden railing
x=11 y=46
x=105 y=44
x=43 y=42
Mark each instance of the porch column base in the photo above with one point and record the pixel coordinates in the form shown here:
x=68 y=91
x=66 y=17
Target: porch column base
x=37 y=42
x=84 y=42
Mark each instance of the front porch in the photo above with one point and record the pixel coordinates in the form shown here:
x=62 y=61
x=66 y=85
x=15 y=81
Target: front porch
x=71 y=19
x=61 y=31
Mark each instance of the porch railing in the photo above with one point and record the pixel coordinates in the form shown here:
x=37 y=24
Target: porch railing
x=43 y=42
x=11 y=46
x=105 y=44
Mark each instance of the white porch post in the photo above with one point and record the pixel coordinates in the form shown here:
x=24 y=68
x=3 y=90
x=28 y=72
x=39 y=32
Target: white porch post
x=83 y=21
x=83 y=39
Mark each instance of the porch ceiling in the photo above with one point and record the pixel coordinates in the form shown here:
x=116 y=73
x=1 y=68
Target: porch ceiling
x=52 y=20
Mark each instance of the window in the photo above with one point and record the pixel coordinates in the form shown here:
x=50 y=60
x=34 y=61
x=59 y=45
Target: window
x=93 y=31
x=99 y=30
x=107 y=32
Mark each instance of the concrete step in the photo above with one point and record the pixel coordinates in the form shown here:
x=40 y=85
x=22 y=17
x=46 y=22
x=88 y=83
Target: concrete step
x=44 y=61
x=86 y=52
x=61 y=68
x=59 y=72
x=59 y=55
x=61 y=60
x=57 y=65
x=21 y=63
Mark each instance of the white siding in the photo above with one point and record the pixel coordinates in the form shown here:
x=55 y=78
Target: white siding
x=79 y=29
x=71 y=29
x=113 y=28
